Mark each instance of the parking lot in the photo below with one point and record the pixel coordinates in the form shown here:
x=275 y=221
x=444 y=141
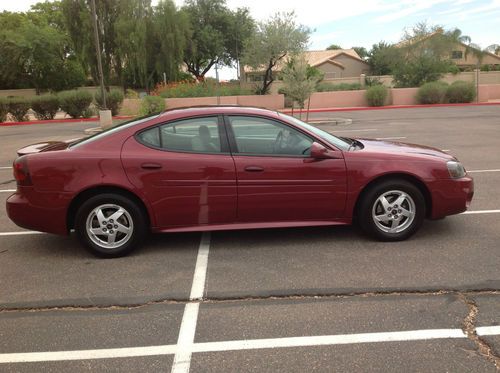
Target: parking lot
x=301 y=299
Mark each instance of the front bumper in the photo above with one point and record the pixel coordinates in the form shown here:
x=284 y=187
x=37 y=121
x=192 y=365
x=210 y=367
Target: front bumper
x=31 y=215
x=451 y=196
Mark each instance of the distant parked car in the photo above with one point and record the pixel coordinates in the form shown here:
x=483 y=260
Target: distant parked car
x=217 y=168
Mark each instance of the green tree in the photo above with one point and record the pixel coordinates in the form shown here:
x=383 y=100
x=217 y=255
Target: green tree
x=383 y=57
x=299 y=81
x=271 y=43
x=218 y=35
x=419 y=70
x=333 y=47
x=361 y=51
x=36 y=54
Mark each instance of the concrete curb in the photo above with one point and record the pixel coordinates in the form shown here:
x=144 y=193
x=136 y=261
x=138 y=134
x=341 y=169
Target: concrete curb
x=332 y=122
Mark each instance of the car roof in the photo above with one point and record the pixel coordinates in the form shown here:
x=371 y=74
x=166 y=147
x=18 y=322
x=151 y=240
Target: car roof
x=218 y=109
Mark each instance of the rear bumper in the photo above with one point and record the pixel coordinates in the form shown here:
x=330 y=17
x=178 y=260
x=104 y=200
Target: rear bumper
x=451 y=196
x=34 y=216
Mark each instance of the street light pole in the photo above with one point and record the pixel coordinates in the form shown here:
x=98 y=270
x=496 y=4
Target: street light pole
x=98 y=52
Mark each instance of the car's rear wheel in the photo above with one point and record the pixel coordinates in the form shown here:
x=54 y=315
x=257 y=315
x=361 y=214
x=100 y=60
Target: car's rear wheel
x=392 y=210
x=110 y=225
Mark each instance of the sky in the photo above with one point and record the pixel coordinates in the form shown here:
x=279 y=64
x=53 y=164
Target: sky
x=364 y=22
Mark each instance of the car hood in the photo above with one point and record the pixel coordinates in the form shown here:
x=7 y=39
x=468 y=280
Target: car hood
x=382 y=146
x=45 y=147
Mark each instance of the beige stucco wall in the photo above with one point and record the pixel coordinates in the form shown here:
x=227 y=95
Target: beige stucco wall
x=331 y=70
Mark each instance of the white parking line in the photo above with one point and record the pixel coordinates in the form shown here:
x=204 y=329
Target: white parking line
x=247 y=344
x=7 y=190
x=6 y=168
x=182 y=358
x=478 y=171
x=480 y=212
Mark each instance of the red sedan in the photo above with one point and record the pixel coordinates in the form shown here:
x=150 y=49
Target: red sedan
x=215 y=168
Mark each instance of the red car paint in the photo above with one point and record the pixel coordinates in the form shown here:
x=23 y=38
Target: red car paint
x=195 y=192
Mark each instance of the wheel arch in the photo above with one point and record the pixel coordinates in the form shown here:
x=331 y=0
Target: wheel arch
x=101 y=189
x=397 y=176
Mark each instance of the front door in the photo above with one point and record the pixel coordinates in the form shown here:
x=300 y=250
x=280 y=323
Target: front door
x=185 y=171
x=277 y=180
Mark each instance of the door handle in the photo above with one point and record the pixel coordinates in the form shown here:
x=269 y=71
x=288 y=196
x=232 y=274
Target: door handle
x=150 y=166
x=254 y=169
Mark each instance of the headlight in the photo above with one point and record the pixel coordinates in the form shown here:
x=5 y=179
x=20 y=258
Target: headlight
x=455 y=169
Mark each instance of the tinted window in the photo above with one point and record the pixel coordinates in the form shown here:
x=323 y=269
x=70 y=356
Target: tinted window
x=199 y=135
x=261 y=136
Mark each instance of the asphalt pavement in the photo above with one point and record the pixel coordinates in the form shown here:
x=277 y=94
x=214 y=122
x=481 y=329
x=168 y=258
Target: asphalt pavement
x=285 y=300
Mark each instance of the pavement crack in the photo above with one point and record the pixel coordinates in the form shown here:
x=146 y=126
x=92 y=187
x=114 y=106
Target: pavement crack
x=212 y=300
x=469 y=328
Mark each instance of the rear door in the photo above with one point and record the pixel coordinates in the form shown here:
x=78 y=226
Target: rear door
x=185 y=171
x=277 y=179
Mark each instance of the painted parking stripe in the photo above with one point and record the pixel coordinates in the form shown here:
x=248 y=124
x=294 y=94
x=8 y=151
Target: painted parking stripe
x=480 y=212
x=19 y=233
x=329 y=340
x=7 y=190
x=185 y=341
x=6 y=168
x=248 y=344
x=480 y=171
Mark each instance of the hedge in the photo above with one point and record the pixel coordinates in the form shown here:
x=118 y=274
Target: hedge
x=376 y=95
x=18 y=107
x=432 y=93
x=461 y=92
x=4 y=109
x=114 y=100
x=45 y=107
x=151 y=105
x=75 y=103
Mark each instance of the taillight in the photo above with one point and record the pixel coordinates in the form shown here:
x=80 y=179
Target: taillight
x=21 y=172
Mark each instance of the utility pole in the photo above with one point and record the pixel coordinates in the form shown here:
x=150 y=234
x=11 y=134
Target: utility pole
x=98 y=52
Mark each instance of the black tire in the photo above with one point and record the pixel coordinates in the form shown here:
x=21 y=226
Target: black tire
x=133 y=218
x=370 y=205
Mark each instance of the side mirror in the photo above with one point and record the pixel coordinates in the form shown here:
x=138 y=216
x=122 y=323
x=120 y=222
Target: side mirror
x=318 y=151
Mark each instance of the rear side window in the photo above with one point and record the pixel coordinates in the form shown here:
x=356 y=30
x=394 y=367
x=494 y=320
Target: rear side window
x=196 y=135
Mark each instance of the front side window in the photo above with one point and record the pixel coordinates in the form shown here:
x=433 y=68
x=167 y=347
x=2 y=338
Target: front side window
x=259 y=136
x=197 y=135
x=457 y=55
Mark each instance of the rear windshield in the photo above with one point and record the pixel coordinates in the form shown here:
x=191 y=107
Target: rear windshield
x=114 y=129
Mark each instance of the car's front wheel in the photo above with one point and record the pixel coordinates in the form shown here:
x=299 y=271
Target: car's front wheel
x=392 y=210
x=110 y=225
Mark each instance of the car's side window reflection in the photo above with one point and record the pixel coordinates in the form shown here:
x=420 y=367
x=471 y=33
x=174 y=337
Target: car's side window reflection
x=259 y=136
x=198 y=135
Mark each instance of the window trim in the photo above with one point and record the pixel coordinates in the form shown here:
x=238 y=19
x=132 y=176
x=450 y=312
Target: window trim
x=234 y=146
x=224 y=144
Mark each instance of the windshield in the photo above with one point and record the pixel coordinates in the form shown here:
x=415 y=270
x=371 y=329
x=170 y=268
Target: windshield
x=113 y=129
x=336 y=141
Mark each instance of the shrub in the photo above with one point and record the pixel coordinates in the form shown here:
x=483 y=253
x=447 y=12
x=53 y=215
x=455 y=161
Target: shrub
x=329 y=87
x=151 y=105
x=460 y=91
x=114 y=100
x=45 y=107
x=75 y=103
x=453 y=69
x=4 y=109
x=130 y=93
x=18 y=107
x=372 y=80
x=376 y=95
x=208 y=88
x=432 y=93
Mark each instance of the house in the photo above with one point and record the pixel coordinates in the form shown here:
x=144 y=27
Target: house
x=464 y=56
x=339 y=63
